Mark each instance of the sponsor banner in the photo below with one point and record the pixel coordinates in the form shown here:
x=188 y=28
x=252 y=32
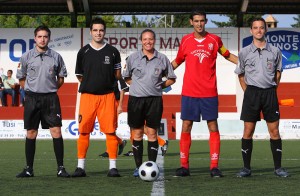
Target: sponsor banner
x=287 y=40
x=14 y=129
x=230 y=128
x=13 y=44
x=70 y=129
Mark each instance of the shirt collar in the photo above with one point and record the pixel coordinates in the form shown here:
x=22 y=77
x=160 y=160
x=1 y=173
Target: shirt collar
x=37 y=53
x=142 y=55
x=254 y=48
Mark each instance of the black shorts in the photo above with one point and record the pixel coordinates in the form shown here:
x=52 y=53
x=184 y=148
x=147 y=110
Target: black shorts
x=44 y=108
x=257 y=100
x=143 y=110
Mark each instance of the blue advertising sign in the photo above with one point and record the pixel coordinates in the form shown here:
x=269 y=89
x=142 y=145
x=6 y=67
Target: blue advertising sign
x=287 y=42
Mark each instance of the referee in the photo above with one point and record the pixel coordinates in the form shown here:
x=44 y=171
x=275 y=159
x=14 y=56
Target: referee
x=41 y=73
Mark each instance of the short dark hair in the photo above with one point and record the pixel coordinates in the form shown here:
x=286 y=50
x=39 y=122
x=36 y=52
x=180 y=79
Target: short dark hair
x=200 y=12
x=147 y=30
x=11 y=71
x=42 y=28
x=97 y=20
x=258 y=19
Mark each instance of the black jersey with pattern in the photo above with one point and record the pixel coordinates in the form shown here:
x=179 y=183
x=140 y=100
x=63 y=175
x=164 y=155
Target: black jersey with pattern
x=97 y=68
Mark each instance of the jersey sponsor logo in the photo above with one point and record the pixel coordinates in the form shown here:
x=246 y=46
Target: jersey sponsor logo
x=201 y=56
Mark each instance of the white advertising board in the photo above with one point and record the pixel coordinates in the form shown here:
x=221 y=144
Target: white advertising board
x=232 y=128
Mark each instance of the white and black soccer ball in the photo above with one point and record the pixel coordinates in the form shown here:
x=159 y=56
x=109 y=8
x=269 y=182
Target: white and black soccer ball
x=149 y=171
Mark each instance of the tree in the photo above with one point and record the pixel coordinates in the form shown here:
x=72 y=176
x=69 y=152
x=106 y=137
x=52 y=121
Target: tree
x=137 y=23
x=181 y=21
x=32 y=21
x=247 y=18
x=297 y=19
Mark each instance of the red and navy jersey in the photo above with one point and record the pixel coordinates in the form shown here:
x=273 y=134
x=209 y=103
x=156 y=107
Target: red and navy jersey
x=97 y=68
x=200 y=64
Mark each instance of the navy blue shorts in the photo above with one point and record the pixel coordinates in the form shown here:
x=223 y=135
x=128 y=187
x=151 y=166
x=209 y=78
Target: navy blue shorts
x=193 y=108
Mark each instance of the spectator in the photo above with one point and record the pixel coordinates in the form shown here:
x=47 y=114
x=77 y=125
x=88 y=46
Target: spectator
x=9 y=88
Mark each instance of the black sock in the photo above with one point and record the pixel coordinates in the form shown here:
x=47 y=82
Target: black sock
x=247 y=145
x=30 y=152
x=138 y=148
x=58 y=145
x=152 y=150
x=276 y=147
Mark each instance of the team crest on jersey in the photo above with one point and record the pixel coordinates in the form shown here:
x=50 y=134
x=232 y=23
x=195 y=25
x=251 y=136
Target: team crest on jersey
x=107 y=60
x=156 y=71
x=51 y=70
x=210 y=46
x=269 y=64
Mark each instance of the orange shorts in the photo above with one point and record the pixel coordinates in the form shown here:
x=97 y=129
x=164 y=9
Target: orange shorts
x=102 y=106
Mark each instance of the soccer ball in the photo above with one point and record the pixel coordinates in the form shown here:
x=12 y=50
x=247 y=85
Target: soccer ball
x=149 y=171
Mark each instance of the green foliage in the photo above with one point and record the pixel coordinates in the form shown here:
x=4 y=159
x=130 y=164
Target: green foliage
x=45 y=182
x=181 y=21
x=32 y=21
x=297 y=19
x=137 y=23
x=232 y=22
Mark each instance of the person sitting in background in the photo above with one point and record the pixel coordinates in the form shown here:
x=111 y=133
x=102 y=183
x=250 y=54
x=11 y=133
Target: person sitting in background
x=9 y=85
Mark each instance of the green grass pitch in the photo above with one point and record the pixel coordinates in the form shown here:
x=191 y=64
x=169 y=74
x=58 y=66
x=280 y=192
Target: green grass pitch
x=45 y=182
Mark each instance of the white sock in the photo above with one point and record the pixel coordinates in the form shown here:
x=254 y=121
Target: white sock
x=81 y=163
x=112 y=163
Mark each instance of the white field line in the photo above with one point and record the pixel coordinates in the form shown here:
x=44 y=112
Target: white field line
x=158 y=187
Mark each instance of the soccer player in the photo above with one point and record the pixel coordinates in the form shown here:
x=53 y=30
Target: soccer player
x=144 y=73
x=199 y=50
x=41 y=73
x=119 y=90
x=98 y=66
x=259 y=71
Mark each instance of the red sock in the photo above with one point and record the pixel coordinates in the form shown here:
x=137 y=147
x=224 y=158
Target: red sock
x=214 y=146
x=185 y=144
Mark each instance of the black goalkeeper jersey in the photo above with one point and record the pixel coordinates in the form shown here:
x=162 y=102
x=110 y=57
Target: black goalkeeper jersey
x=97 y=68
